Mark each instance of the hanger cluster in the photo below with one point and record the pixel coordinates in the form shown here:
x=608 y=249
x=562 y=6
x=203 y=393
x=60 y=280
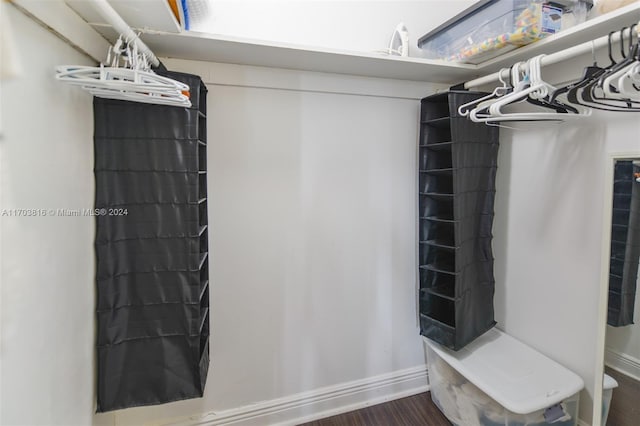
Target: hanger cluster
x=615 y=87
x=126 y=74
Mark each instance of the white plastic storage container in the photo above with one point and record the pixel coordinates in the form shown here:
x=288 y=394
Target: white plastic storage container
x=608 y=385
x=497 y=380
x=491 y=28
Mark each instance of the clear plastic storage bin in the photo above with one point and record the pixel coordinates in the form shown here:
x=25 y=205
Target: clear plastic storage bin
x=497 y=380
x=491 y=28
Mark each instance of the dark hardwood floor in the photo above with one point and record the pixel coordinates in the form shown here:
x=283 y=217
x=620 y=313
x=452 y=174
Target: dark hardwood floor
x=625 y=405
x=417 y=410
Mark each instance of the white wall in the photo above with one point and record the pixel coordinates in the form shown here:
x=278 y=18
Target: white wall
x=357 y=25
x=548 y=226
x=47 y=314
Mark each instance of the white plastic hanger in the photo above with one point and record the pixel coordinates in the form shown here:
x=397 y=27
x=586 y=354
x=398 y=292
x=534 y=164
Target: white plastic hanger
x=537 y=89
x=605 y=92
x=499 y=91
x=629 y=83
x=612 y=82
x=126 y=76
x=481 y=111
x=120 y=78
x=626 y=82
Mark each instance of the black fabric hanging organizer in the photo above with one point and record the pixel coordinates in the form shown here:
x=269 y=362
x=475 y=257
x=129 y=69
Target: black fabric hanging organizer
x=625 y=244
x=458 y=162
x=151 y=250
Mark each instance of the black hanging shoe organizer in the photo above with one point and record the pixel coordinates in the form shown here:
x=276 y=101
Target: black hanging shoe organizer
x=151 y=250
x=625 y=245
x=456 y=184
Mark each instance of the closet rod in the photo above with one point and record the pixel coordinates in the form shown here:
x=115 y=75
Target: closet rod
x=553 y=58
x=115 y=20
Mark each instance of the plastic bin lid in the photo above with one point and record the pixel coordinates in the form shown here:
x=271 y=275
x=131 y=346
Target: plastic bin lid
x=515 y=375
x=609 y=382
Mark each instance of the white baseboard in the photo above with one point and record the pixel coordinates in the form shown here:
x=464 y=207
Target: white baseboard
x=623 y=363
x=319 y=403
x=582 y=423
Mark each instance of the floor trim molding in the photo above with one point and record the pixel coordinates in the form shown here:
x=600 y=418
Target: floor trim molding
x=319 y=403
x=623 y=363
